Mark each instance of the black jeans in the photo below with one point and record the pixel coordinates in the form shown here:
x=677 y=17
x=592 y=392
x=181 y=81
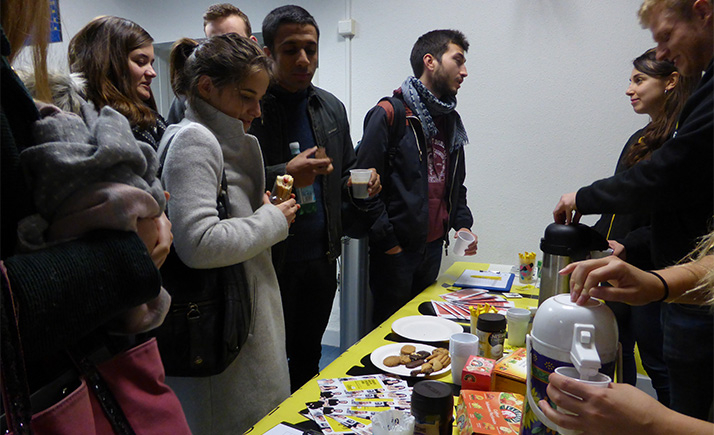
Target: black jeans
x=689 y=354
x=396 y=279
x=642 y=325
x=307 y=289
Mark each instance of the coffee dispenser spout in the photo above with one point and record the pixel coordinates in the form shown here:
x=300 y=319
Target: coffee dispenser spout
x=583 y=353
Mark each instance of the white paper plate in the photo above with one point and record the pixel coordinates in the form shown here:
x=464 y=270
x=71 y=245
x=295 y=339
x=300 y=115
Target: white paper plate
x=426 y=328
x=377 y=358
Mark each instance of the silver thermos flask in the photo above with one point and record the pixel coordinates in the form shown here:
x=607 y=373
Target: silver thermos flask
x=562 y=245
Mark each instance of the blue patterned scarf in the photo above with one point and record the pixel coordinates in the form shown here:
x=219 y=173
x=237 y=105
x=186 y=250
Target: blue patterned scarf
x=424 y=104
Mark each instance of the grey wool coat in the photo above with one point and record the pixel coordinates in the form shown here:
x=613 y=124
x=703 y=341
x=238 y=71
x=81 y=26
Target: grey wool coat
x=205 y=142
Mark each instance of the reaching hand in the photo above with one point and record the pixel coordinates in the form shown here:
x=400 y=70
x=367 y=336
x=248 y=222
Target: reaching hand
x=304 y=168
x=566 y=211
x=629 y=284
x=618 y=249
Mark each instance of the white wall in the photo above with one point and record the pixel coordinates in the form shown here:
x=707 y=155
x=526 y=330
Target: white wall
x=544 y=102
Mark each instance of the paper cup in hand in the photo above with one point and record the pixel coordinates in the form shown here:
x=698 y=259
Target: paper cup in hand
x=463 y=240
x=600 y=380
x=360 y=180
x=461 y=346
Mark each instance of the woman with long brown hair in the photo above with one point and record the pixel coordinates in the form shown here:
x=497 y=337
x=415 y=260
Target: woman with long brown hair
x=115 y=56
x=656 y=89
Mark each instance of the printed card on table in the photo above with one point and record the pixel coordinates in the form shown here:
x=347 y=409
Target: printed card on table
x=346 y=405
x=485 y=279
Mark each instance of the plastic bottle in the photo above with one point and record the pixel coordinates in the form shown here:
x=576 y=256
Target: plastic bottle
x=305 y=195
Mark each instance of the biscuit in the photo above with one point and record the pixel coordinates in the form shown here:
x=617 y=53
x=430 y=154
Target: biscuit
x=408 y=349
x=392 y=361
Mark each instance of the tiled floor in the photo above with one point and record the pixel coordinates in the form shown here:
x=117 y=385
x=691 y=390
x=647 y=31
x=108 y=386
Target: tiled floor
x=329 y=353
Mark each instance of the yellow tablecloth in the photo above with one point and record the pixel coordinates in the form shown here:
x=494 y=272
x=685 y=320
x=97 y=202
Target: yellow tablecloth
x=288 y=411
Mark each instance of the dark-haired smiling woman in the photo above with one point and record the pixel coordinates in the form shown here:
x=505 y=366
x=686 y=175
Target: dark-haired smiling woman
x=116 y=57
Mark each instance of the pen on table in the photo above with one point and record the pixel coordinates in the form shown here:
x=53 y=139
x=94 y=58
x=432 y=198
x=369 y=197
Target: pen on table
x=495 y=278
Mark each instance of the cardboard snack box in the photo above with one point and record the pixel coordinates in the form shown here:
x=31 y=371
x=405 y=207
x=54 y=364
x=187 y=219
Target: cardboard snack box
x=489 y=413
x=478 y=374
x=510 y=373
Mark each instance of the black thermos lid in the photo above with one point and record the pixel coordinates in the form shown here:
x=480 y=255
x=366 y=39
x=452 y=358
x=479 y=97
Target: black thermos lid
x=572 y=240
x=491 y=322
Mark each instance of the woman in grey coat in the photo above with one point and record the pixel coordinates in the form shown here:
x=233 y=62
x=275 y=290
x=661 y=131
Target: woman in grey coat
x=224 y=79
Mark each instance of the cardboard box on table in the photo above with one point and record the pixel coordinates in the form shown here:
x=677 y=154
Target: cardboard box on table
x=509 y=373
x=489 y=413
x=478 y=374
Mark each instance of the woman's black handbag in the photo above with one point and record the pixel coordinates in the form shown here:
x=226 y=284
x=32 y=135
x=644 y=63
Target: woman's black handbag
x=210 y=316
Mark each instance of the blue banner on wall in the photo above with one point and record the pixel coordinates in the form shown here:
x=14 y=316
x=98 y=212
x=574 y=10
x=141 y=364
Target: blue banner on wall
x=55 y=25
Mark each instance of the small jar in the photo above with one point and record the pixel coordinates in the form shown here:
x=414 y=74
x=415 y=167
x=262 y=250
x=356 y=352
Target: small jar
x=432 y=408
x=491 y=333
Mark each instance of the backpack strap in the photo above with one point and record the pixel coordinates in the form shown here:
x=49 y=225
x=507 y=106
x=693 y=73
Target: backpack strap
x=397 y=120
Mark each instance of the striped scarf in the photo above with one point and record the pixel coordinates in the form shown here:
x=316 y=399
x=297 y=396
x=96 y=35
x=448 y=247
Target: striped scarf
x=425 y=105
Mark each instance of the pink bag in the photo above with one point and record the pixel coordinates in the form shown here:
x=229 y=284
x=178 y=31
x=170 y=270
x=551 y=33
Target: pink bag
x=136 y=377
x=134 y=380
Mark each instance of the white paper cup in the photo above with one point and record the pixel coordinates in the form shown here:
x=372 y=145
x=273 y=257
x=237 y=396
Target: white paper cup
x=518 y=319
x=360 y=180
x=601 y=381
x=392 y=422
x=463 y=240
x=461 y=346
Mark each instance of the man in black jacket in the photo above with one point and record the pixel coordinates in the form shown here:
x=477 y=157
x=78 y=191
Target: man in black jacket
x=293 y=110
x=676 y=186
x=423 y=171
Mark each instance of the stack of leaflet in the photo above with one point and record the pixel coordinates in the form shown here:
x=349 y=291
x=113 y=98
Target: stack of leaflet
x=347 y=405
x=485 y=279
x=458 y=303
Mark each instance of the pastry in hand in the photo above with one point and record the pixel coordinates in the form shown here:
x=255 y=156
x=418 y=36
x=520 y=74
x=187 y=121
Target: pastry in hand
x=320 y=153
x=282 y=189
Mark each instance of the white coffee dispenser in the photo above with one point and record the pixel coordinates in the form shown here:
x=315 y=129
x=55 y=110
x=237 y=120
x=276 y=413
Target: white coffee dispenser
x=566 y=334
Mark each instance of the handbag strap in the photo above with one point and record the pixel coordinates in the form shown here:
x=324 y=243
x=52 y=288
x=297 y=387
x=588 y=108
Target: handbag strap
x=98 y=386
x=15 y=389
x=223 y=204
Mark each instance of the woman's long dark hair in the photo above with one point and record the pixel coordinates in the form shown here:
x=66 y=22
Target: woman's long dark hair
x=100 y=52
x=660 y=129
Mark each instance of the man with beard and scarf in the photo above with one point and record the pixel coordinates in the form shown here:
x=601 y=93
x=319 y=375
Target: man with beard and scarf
x=422 y=168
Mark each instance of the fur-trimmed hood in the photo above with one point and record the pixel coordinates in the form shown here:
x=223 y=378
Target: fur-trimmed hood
x=68 y=89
